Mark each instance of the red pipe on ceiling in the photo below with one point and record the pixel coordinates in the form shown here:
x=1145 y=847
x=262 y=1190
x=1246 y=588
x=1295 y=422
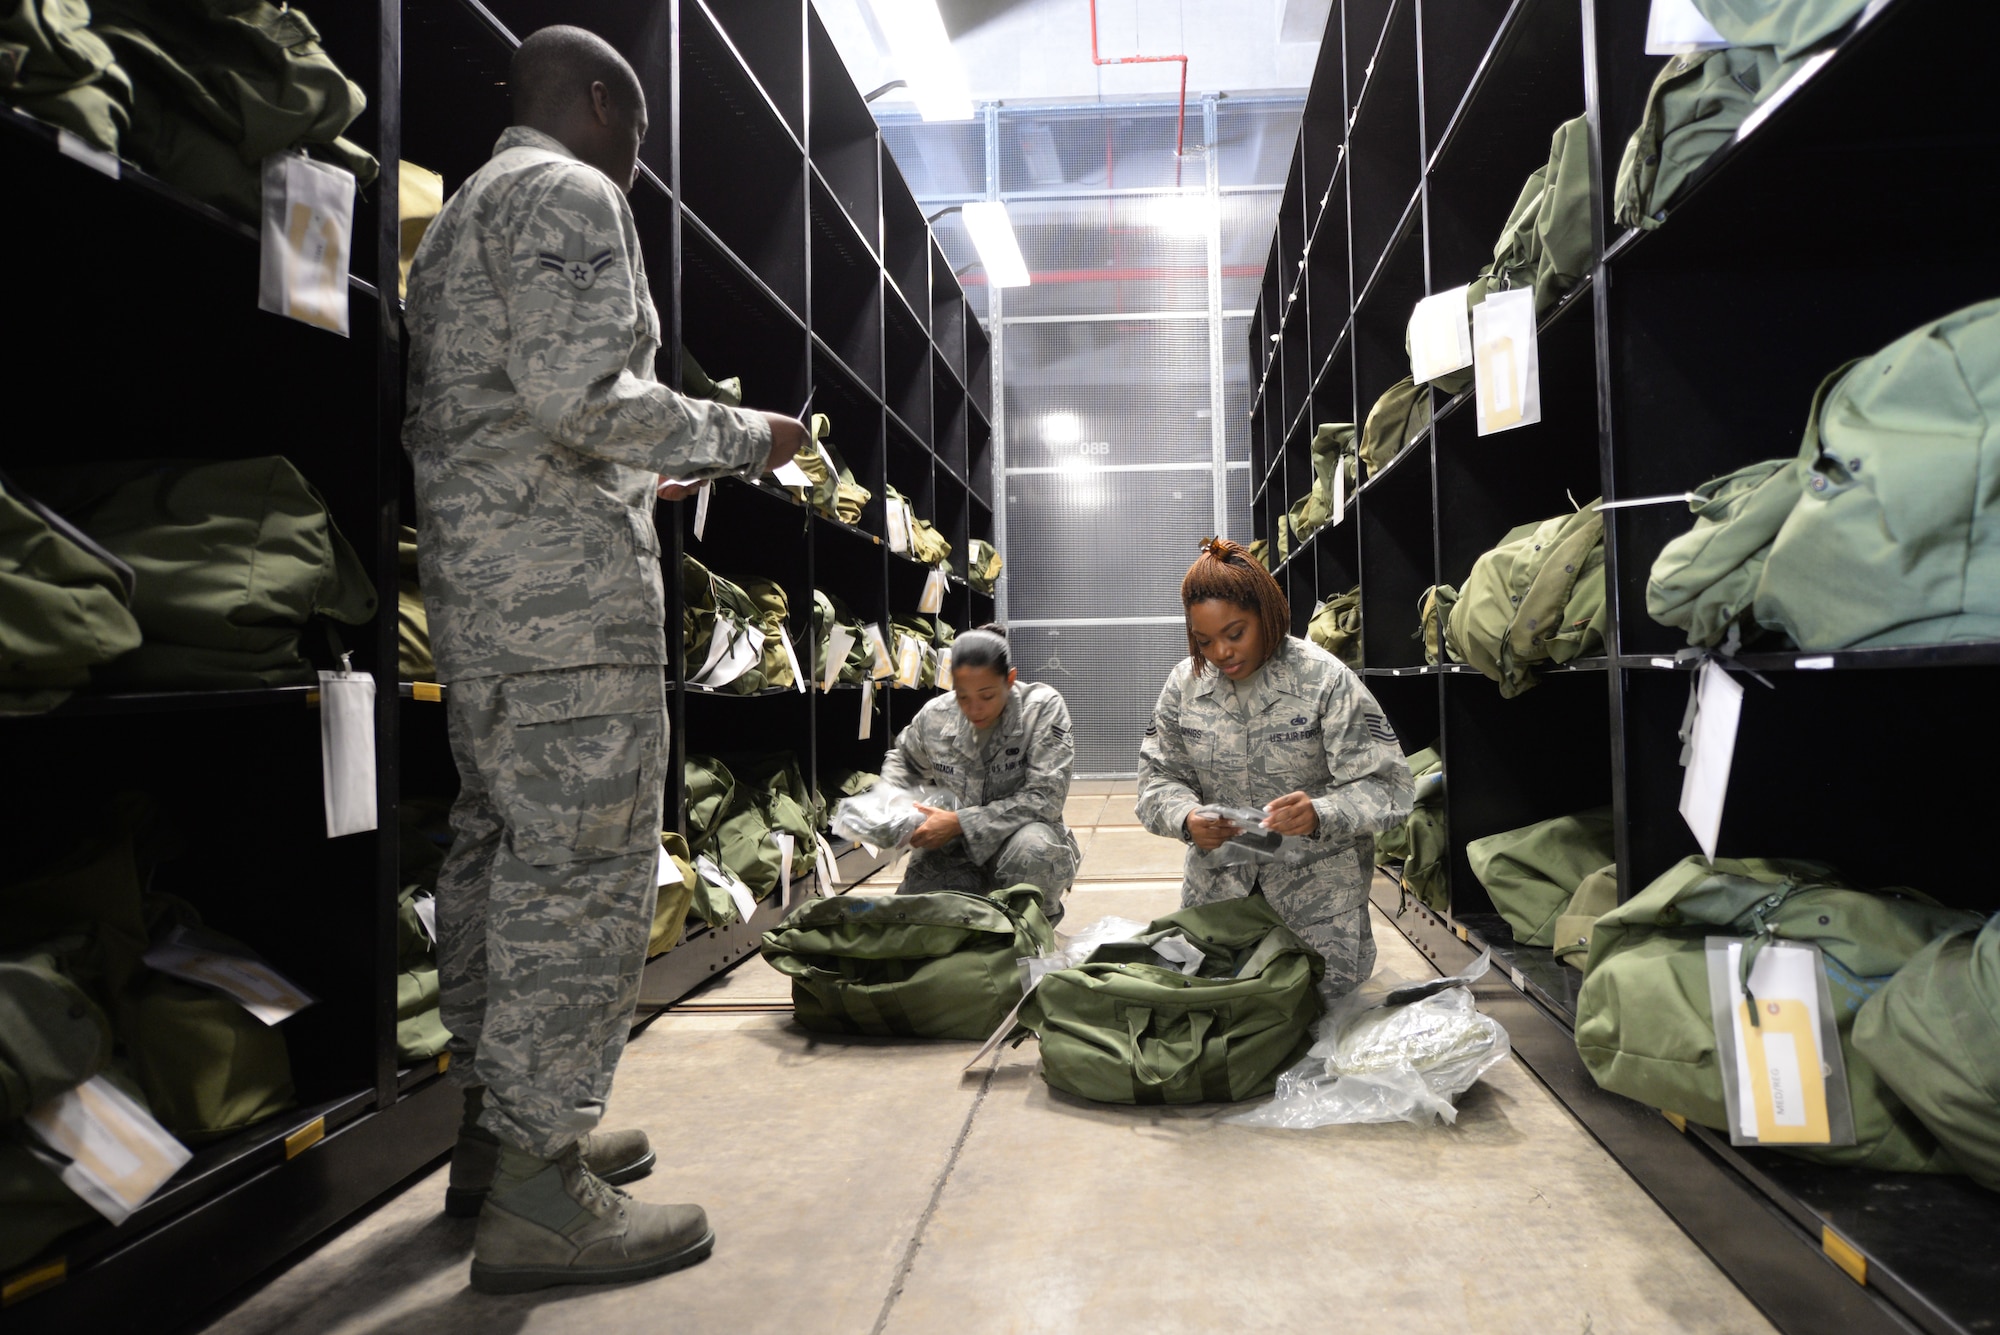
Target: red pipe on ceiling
x=1180 y=123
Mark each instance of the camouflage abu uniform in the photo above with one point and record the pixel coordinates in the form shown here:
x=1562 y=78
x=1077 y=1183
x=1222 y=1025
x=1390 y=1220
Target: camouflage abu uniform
x=1310 y=726
x=1010 y=782
x=538 y=435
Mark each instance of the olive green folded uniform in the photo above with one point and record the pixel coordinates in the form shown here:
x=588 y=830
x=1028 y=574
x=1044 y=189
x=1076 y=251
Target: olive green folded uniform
x=1336 y=626
x=1532 y=873
x=926 y=543
x=219 y=85
x=676 y=897
x=1933 y=1036
x=54 y=68
x=1419 y=843
x=1332 y=453
x=1643 y=1022
x=64 y=606
x=1127 y=1026
x=1697 y=103
x=940 y=965
x=1538 y=597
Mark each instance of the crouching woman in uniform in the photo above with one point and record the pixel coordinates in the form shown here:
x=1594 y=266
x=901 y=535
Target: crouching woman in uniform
x=1256 y=717
x=1002 y=748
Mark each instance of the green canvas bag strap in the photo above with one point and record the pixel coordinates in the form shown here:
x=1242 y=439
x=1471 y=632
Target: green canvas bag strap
x=1148 y=1075
x=1215 y=1068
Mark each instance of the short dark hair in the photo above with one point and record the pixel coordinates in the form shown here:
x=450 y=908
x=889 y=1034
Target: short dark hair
x=1225 y=570
x=983 y=648
x=555 y=67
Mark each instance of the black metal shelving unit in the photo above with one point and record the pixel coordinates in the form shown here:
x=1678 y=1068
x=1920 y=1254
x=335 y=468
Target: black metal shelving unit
x=782 y=246
x=1688 y=351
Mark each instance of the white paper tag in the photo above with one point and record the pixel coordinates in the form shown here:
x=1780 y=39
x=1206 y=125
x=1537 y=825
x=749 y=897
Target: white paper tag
x=192 y=956
x=119 y=1156
x=932 y=600
x=1718 y=706
x=742 y=649
x=1778 y=96
x=1675 y=27
x=884 y=665
x=1818 y=664
x=1506 y=361
x=1180 y=951
x=784 y=843
x=867 y=710
x=1440 y=338
x=798 y=677
x=89 y=154
x=899 y=526
x=307 y=240
x=347 y=751
x=791 y=475
x=1780 y=1090
x=739 y=893
x=943 y=680
x=426 y=907
x=701 y=500
x=668 y=873
x=826 y=865
x=839 y=641
x=1339 y=490
x=909 y=661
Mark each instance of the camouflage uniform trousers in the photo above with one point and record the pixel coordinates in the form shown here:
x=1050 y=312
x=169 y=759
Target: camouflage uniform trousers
x=545 y=903
x=1038 y=854
x=1329 y=913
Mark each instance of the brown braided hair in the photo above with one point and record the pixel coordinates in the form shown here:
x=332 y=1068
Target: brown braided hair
x=1226 y=571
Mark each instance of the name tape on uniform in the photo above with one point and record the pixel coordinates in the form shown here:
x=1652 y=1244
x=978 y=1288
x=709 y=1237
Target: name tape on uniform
x=195 y=956
x=118 y=1155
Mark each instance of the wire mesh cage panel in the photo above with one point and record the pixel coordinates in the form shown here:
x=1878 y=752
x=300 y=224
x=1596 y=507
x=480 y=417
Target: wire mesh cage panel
x=1111 y=675
x=1108 y=392
x=1092 y=542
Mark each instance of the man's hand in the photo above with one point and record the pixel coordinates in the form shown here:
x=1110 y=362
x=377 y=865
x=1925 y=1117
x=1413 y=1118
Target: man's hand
x=940 y=827
x=1292 y=814
x=1209 y=833
x=788 y=437
x=670 y=491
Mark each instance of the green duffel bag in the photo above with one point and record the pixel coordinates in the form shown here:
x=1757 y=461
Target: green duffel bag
x=1697 y=103
x=1434 y=624
x=1705 y=580
x=1127 y=1027
x=56 y=69
x=1333 y=454
x=984 y=566
x=1532 y=873
x=773 y=607
x=1538 y=597
x=36 y=1207
x=1895 y=539
x=420 y=1031
x=209 y=1067
x=413 y=625
x=64 y=605
x=219 y=85
x=709 y=791
x=757 y=812
x=53 y=1037
x=940 y=965
x=842 y=781
x=1595 y=897
x=780 y=774
x=828 y=612
x=712 y=604
x=1284 y=539
x=1933 y=1036
x=1308 y=516
x=1419 y=843
x=676 y=897
x=1643 y=1023
x=231 y=561
x=823 y=494
x=850 y=497
x=1399 y=417
x=1336 y=626
x=92 y=892
x=697 y=384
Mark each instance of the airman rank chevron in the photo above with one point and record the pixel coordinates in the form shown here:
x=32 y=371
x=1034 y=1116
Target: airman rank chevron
x=579 y=268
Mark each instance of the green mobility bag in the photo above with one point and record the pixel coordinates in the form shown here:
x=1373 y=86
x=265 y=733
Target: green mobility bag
x=64 y=605
x=1536 y=598
x=842 y=781
x=1595 y=897
x=983 y=569
x=1933 y=1036
x=1705 y=581
x=1697 y=103
x=1260 y=552
x=764 y=804
x=1126 y=1026
x=413 y=625
x=1434 y=624
x=36 y=1206
x=1308 y=515
x=824 y=491
x=828 y=612
x=1643 y=1023
x=1402 y=414
x=1419 y=843
x=1532 y=873
x=698 y=384
x=53 y=1037
x=420 y=1032
x=772 y=608
x=53 y=67
x=1336 y=626
x=676 y=897
x=940 y=965
x=1284 y=538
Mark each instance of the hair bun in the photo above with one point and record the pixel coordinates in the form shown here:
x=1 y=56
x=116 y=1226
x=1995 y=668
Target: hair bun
x=994 y=628
x=1222 y=549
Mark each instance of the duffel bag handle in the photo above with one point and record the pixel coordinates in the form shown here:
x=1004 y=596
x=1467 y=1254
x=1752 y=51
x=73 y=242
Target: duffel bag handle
x=1146 y=1073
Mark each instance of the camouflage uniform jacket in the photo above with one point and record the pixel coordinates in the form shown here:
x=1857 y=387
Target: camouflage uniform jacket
x=536 y=428
x=1015 y=773
x=1314 y=729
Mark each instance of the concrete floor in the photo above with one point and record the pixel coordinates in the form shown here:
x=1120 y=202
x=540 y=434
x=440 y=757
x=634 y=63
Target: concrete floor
x=872 y=1186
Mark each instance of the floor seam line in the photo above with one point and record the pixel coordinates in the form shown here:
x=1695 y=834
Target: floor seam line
x=909 y=1261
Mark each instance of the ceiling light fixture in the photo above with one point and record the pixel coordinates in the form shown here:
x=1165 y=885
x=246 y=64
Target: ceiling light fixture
x=925 y=59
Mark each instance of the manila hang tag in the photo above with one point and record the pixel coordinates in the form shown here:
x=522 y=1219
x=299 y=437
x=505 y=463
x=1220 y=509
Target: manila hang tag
x=899 y=526
x=1440 y=337
x=943 y=679
x=784 y=842
x=932 y=601
x=118 y=1155
x=1784 y=1077
x=1711 y=750
x=727 y=881
x=791 y=658
x=347 y=751
x=1506 y=362
x=306 y=242
x=827 y=865
x=885 y=666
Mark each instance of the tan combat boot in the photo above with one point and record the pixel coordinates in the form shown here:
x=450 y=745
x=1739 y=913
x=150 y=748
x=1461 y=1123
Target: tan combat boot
x=550 y=1221
x=616 y=1157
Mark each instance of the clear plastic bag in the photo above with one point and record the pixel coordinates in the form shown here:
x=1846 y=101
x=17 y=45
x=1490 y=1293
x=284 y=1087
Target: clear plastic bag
x=886 y=816
x=1252 y=843
x=1390 y=1052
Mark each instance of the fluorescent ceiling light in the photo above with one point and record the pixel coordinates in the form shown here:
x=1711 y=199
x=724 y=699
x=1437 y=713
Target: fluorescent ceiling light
x=993 y=235
x=925 y=59
x=1062 y=428
x=1182 y=215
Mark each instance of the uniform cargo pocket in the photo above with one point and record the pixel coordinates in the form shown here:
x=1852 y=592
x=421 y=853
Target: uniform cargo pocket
x=586 y=764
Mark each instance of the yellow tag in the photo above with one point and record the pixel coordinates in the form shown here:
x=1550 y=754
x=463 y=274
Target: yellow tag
x=312 y=699
x=426 y=690
x=1680 y=1122
x=314 y=242
x=30 y=1282
x=444 y=1062
x=1502 y=408
x=307 y=1136
x=1462 y=935
x=1843 y=1254
x=1785 y=1081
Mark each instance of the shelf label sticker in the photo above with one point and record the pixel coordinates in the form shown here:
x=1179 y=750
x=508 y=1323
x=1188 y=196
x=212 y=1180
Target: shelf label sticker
x=1664 y=663
x=1440 y=336
x=1715 y=708
x=199 y=957
x=932 y=601
x=838 y=642
x=1676 y=27
x=1506 y=361
x=884 y=665
x=789 y=474
x=867 y=710
x=1784 y=1078
x=701 y=500
x=307 y=239
x=426 y=909
x=739 y=893
x=791 y=658
x=826 y=865
x=89 y=154
x=943 y=680
x=118 y=1155
x=347 y=751
x=733 y=649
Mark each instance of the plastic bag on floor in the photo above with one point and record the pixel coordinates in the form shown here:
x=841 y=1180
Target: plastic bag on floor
x=886 y=816
x=1252 y=843
x=1390 y=1053
x=1071 y=951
